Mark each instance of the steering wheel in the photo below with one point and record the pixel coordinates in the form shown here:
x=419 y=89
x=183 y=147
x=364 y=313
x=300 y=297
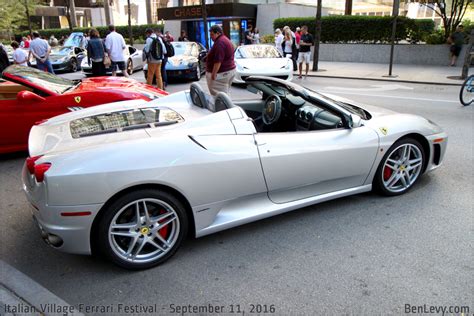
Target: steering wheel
x=272 y=110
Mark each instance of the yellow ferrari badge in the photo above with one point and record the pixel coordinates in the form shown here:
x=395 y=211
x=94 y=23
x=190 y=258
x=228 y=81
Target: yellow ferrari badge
x=384 y=130
x=144 y=230
x=77 y=99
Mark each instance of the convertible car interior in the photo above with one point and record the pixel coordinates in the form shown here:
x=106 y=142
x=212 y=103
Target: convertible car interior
x=278 y=110
x=9 y=90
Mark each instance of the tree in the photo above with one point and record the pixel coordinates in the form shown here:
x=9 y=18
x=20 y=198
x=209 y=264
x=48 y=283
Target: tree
x=451 y=12
x=317 y=36
x=70 y=13
x=15 y=14
x=348 y=8
x=130 y=33
x=204 y=20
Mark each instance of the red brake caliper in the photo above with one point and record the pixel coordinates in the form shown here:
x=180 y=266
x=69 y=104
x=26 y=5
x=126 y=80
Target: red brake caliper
x=164 y=231
x=387 y=173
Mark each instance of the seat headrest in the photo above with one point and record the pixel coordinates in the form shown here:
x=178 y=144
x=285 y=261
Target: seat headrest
x=198 y=96
x=223 y=102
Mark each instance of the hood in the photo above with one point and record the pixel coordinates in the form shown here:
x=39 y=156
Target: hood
x=374 y=111
x=119 y=83
x=256 y=64
x=54 y=57
x=181 y=60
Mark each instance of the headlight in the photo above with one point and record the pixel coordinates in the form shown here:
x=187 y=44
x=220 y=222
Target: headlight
x=192 y=65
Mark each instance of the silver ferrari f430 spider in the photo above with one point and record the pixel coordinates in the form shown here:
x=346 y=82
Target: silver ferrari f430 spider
x=131 y=180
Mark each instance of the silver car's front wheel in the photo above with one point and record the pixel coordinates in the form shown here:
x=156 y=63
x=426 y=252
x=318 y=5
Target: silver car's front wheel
x=143 y=229
x=400 y=168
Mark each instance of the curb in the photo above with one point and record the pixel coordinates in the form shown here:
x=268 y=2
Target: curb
x=383 y=79
x=19 y=294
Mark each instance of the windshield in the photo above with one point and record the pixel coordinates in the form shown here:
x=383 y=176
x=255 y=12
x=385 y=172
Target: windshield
x=63 y=51
x=182 y=48
x=44 y=80
x=257 y=51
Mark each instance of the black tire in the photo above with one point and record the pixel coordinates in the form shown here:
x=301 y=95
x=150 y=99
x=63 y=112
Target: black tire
x=384 y=174
x=197 y=75
x=113 y=246
x=73 y=63
x=466 y=95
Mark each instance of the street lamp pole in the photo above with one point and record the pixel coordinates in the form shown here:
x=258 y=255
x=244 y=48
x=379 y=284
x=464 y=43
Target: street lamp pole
x=396 y=6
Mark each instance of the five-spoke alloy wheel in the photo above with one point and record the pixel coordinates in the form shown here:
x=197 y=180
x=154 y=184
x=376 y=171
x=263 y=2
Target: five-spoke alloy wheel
x=142 y=229
x=400 y=168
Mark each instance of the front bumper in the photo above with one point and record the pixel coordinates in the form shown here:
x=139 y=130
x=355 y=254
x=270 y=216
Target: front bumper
x=241 y=76
x=61 y=66
x=73 y=231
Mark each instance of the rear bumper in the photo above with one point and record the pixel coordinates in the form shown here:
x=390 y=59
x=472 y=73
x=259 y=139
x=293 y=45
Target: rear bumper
x=73 y=231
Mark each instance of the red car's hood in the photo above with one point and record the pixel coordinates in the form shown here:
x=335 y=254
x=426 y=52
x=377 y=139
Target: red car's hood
x=119 y=83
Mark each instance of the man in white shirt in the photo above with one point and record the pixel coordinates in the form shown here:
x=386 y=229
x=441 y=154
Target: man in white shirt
x=19 y=55
x=40 y=49
x=115 y=44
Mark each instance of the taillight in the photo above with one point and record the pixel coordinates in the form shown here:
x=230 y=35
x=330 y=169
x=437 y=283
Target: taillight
x=40 y=170
x=30 y=163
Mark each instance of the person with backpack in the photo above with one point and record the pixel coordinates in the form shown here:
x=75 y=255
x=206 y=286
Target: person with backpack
x=154 y=51
x=169 y=53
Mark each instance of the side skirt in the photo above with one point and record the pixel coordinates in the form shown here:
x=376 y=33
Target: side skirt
x=249 y=209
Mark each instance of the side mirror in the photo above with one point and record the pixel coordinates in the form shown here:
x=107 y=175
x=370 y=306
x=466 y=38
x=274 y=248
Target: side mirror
x=29 y=97
x=354 y=121
x=202 y=55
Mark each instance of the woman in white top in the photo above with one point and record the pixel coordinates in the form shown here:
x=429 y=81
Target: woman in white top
x=256 y=37
x=289 y=47
x=279 y=40
x=19 y=55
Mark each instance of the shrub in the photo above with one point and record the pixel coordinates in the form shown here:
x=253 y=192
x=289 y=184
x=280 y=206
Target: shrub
x=436 y=37
x=267 y=39
x=357 y=29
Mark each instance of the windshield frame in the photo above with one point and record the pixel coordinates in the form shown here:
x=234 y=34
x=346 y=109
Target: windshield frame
x=45 y=82
x=241 y=50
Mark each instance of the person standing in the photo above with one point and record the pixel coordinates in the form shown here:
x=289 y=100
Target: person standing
x=220 y=66
x=164 y=61
x=96 y=53
x=248 y=35
x=53 y=41
x=279 y=40
x=456 y=40
x=256 y=37
x=115 y=44
x=19 y=55
x=3 y=58
x=183 y=37
x=25 y=43
x=169 y=37
x=154 y=50
x=289 y=47
x=40 y=50
x=305 y=50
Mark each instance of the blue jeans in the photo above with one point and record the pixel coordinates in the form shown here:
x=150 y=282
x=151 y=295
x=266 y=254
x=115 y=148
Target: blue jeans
x=46 y=66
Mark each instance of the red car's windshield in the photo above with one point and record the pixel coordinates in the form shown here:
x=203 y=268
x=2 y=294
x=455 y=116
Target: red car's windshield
x=41 y=79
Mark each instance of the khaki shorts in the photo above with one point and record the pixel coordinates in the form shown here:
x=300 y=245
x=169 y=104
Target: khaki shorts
x=304 y=57
x=222 y=83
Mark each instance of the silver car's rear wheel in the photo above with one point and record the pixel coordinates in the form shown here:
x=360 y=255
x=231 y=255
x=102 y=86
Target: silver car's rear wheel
x=143 y=229
x=400 y=168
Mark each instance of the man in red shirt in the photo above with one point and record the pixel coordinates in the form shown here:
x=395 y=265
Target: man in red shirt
x=220 y=66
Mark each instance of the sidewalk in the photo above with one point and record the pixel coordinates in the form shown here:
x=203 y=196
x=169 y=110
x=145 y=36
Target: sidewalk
x=20 y=295
x=426 y=74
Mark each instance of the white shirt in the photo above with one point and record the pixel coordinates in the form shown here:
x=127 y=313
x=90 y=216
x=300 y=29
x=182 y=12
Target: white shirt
x=115 y=45
x=278 y=41
x=288 y=45
x=20 y=57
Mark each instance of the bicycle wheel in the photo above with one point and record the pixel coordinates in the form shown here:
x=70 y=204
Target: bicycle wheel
x=466 y=95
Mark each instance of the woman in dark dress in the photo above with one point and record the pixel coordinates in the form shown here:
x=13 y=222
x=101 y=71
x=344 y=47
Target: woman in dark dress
x=96 y=53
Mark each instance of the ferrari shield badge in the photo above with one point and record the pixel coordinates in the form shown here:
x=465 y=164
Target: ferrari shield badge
x=384 y=130
x=77 y=99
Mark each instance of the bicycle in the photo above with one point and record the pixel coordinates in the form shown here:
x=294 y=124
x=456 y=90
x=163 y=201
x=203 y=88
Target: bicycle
x=466 y=95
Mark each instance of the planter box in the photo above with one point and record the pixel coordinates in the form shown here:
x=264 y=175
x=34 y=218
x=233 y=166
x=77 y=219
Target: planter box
x=380 y=53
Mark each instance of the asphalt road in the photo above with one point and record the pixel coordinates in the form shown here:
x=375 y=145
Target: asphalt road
x=359 y=255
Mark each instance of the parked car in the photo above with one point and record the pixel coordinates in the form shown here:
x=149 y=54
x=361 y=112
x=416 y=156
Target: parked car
x=28 y=96
x=133 y=57
x=66 y=59
x=187 y=63
x=261 y=60
x=131 y=181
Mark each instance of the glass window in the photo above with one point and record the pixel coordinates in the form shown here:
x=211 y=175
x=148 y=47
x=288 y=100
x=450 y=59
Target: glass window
x=123 y=121
x=45 y=80
x=257 y=51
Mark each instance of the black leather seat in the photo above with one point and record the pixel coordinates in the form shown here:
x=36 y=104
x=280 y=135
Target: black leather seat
x=222 y=102
x=198 y=96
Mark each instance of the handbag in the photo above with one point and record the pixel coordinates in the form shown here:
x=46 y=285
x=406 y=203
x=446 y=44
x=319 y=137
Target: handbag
x=107 y=61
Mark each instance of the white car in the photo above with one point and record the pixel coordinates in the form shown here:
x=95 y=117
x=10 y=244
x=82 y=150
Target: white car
x=261 y=60
x=133 y=57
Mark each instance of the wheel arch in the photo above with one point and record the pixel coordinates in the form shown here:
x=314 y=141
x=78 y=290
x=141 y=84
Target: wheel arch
x=154 y=186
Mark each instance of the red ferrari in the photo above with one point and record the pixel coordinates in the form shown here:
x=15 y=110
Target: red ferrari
x=28 y=96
